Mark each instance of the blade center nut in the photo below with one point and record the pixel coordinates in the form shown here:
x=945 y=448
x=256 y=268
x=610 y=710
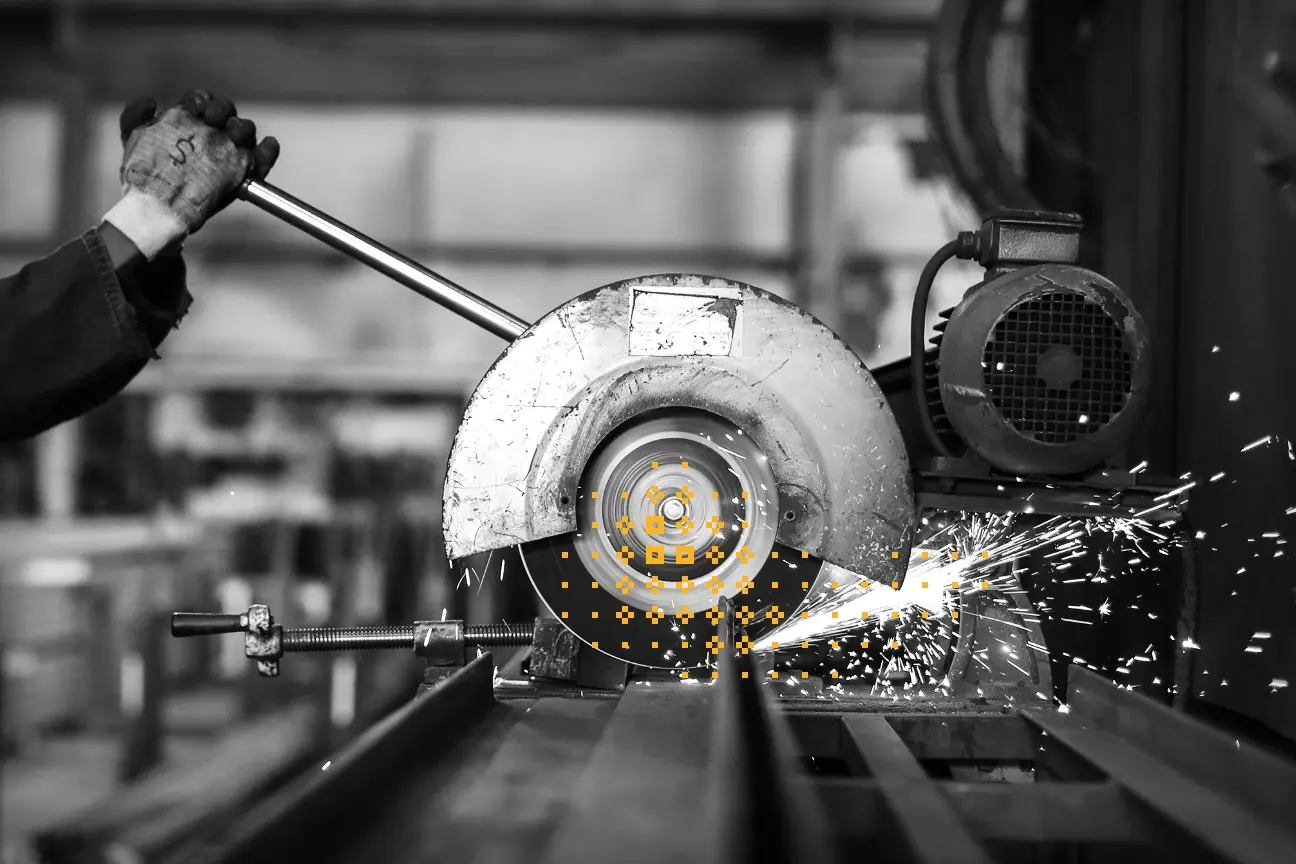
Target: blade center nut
x=673 y=509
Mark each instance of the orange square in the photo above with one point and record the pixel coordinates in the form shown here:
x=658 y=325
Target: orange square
x=773 y=584
x=805 y=644
x=954 y=615
x=773 y=554
x=593 y=584
x=864 y=644
x=954 y=584
x=805 y=616
x=834 y=673
x=864 y=584
x=683 y=674
x=924 y=555
x=744 y=674
x=954 y=555
x=683 y=464
x=895 y=614
x=564 y=555
x=594 y=645
x=895 y=554
x=625 y=495
x=744 y=494
x=715 y=494
x=924 y=614
x=683 y=644
x=564 y=614
x=773 y=674
x=593 y=526
x=654 y=464
x=805 y=674
x=985 y=586
x=594 y=494
x=864 y=614
x=654 y=644
x=594 y=554
x=924 y=584
x=715 y=673
x=593 y=614
x=625 y=644
x=895 y=585
x=805 y=586
x=564 y=584
x=805 y=554
x=895 y=644
x=834 y=585
x=834 y=614
x=985 y=554
x=773 y=644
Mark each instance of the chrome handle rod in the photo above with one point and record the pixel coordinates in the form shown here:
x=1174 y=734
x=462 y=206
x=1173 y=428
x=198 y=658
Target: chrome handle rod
x=391 y=264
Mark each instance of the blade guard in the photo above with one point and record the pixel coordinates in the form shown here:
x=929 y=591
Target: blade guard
x=695 y=342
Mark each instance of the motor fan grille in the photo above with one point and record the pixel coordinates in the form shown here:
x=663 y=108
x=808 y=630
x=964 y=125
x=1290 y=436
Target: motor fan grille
x=1057 y=368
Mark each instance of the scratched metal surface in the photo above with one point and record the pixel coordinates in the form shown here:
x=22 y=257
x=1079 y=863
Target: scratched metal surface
x=743 y=354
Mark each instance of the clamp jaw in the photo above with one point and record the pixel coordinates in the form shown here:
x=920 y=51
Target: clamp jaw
x=262 y=638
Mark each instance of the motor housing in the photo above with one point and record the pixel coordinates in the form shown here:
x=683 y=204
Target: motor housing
x=1044 y=369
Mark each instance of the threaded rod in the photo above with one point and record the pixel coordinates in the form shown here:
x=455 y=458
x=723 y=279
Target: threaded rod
x=373 y=638
x=498 y=635
x=347 y=638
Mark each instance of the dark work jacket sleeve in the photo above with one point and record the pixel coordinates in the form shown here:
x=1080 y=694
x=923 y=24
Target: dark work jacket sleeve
x=74 y=332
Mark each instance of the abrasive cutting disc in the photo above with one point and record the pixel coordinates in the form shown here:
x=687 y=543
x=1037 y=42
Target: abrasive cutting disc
x=677 y=509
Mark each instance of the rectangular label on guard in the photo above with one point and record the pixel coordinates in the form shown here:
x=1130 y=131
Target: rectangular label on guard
x=666 y=321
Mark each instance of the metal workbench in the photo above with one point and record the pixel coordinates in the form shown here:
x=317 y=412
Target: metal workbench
x=484 y=769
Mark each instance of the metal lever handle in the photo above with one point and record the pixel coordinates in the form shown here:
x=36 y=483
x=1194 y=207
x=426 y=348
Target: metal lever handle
x=205 y=624
x=395 y=266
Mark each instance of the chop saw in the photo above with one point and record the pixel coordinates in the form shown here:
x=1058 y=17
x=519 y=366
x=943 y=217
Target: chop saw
x=670 y=450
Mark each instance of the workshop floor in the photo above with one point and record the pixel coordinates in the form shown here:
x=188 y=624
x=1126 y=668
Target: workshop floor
x=60 y=776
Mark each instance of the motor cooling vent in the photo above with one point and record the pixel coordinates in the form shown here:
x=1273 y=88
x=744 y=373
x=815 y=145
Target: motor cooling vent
x=1057 y=368
x=1044 y=370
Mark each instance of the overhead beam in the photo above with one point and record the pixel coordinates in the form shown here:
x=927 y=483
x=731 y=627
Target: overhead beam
x=900 y=17
x=663 y=62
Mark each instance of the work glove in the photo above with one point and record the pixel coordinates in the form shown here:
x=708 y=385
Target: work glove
x=183 y=166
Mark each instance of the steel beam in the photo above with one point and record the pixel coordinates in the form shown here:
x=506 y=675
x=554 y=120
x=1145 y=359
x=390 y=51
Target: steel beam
x=1205 y=817
x=1239 y=771
x=1000 y=812
x=587 y=54
x=929 y=737
x=314 y=809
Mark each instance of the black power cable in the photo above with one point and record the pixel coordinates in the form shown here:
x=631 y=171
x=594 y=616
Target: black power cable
x=964 y=247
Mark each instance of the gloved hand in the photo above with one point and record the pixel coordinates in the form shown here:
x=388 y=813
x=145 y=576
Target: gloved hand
x=183 y=166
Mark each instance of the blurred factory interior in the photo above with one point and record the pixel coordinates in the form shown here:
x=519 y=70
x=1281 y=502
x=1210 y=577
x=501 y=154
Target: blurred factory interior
x=290 y=447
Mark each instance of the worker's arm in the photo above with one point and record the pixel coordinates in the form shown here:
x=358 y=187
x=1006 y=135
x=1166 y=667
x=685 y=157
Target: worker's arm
x=77 y=326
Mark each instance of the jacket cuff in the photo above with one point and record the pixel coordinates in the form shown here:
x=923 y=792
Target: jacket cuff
x=146 y=222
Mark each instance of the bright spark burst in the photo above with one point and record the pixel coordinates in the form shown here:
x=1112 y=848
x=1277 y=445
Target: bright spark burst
x=966 y=554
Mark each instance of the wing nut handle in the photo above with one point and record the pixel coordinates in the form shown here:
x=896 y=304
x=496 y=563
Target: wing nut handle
x=185 y=624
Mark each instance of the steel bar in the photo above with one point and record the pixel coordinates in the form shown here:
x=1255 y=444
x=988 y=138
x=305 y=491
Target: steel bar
x=424 y=730
x=930 y=737
x=924 y=823
x=372 y=254
x=1218 y=761
x=1003 y=812
x=1207 y=816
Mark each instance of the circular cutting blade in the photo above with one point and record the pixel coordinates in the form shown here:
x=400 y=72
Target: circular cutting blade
x=677 y=511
